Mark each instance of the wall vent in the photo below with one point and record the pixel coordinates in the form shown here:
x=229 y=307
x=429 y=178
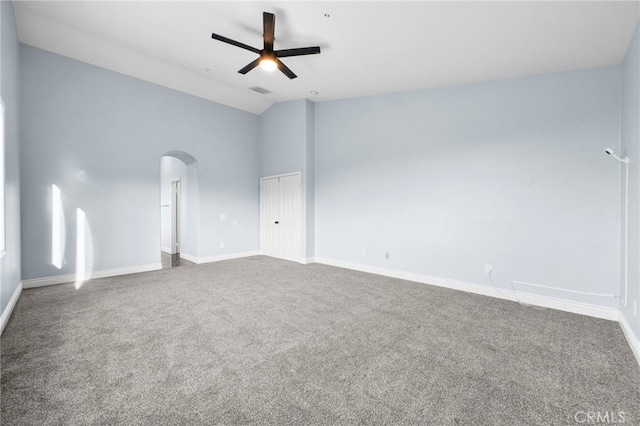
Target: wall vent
x=260 y=90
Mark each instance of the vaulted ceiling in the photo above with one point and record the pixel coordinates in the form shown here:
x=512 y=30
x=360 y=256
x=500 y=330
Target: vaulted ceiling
x=367 y=47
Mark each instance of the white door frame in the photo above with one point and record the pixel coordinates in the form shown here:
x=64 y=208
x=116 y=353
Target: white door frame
x=302 y=232
x=174 y=202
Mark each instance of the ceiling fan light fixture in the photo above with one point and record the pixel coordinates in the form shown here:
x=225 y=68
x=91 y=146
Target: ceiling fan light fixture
x=268 y=64
x=269 y=59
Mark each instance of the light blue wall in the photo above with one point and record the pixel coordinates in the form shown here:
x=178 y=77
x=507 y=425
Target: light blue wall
x=190 y=221
x=286 y=133
x=510 y=173
x=99 y=135
x=631 y=147
x=310 y=186
x=9 y=88
x=282 y=138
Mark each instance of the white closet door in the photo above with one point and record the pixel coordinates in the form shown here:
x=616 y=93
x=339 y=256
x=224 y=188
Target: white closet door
x=280 y=217
x=290 y=217
x=269 y=212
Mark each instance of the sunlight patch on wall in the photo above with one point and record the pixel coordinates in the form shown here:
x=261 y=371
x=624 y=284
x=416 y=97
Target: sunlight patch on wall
x=57 y=227
x=84 y=249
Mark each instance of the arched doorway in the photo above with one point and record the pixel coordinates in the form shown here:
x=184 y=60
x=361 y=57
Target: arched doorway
x=179 y=211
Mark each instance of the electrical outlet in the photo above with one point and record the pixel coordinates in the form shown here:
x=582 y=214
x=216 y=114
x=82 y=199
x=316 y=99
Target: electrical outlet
x=488 y=268
x=221 y=245
x=386 y=255
x=364 y=252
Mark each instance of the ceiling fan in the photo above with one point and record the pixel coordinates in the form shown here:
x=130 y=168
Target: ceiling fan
x=269 y=59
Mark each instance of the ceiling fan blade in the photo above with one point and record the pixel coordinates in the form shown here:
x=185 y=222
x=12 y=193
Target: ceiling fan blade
x=234 y=43
x=285 y=70
x=297 y=52
x=269 y=23
x=250 y=66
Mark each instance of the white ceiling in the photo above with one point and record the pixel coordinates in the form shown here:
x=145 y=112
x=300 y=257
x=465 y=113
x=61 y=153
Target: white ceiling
x=367 y=47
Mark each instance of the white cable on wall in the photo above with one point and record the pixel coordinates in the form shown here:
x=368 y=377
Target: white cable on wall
x=626 y=232
x=515 y=293
x=624 y=161
x=586 y=293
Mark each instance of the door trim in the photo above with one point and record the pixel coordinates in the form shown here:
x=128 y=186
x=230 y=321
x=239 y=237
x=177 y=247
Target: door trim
x=282 y=175
x=175 y=202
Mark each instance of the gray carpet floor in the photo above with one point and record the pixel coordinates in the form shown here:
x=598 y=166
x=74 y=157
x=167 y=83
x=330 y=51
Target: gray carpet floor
x=265 y=341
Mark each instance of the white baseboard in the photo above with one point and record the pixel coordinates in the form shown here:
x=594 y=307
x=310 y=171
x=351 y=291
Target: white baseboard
x=219 y=258
x=302 y=260
x=6 y=314
x=189 y=257
x=485 y=290
x=199 y=260
x=631 y=338
x=63 y=279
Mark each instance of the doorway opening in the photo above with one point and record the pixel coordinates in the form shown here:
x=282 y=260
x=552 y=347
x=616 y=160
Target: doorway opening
x=179 y=211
